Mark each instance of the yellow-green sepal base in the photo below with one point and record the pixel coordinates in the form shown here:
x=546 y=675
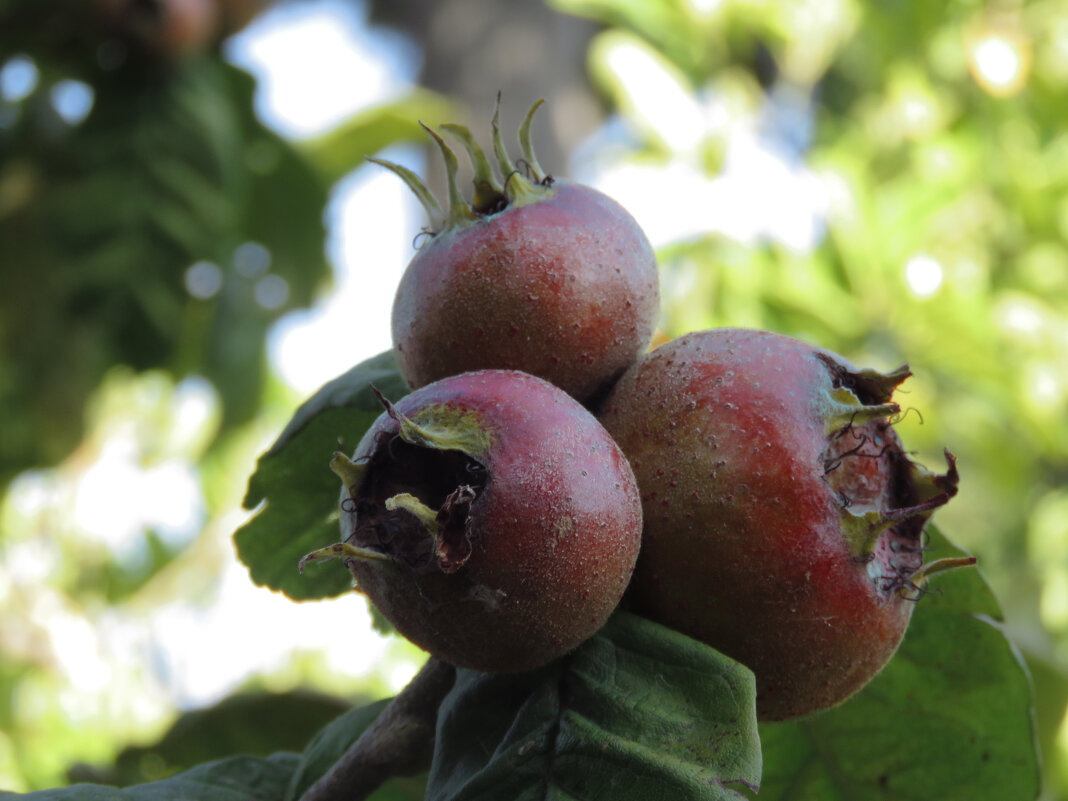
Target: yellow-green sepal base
x=343 y=551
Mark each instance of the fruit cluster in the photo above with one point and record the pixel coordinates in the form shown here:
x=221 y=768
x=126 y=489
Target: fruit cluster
x=496 y=521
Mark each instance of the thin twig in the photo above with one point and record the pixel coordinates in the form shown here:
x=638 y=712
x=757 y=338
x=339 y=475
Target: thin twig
x=400 y=742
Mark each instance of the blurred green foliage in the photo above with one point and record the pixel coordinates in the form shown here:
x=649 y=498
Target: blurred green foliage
x=245 y=723
x=152 y=229
x=159 y=224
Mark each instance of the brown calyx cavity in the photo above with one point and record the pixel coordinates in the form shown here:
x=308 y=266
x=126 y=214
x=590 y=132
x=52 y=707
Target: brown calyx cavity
x=891 y=496
x=412 y=496
x=415 y=505
x=494 y=192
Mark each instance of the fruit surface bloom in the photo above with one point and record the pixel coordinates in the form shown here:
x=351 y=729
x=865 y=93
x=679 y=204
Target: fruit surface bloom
x=491 y=519
x=564 y=287
x=783 y=520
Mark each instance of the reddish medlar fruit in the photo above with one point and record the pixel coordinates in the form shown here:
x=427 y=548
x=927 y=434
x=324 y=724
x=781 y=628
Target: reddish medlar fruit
x=545 y=276
x=783 y=521
x=490 y=518
x=236 y=14
x=164 y=29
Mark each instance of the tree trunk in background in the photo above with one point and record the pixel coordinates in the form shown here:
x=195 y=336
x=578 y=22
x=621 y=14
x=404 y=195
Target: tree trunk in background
x=525 y=50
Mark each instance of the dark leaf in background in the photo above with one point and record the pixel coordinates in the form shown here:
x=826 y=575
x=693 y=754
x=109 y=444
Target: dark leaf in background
x=279 y=261
x=102 y=221
x=637 y=712
x=116 y=580
x=255 y=722
x=332 y=742
x=340 y=151
x=238 y=778
x=298 y=491
x=949 y=718
x=251 y=724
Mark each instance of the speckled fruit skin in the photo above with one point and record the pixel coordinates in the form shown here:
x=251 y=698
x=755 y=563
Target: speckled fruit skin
x=564 y=288
x=555 y=530
x=745 y=487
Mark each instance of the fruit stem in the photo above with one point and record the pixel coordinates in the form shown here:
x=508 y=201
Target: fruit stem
x=459 y=212
x=525 y=144
x=489 y=197
x=409 y=503
x=430 y=204
x=343 y=551
x=400 y=741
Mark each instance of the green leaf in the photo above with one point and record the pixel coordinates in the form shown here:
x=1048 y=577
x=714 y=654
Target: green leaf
x=246 y=723
x=1051 y=699
x=949 y=718
x=343 y=149
x=609 y=52
x=637 y=712
x=283 y=198
x=299 y=493
x=100 y=222
x=280 y=777
x=280 y=209
x=672 y=27
x=238 y=778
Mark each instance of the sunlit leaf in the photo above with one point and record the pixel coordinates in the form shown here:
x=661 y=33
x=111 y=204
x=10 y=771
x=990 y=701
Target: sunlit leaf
x=343 y=149
x=298 y=491
x=672 y=26
x=637 y=712
x=661 y=104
